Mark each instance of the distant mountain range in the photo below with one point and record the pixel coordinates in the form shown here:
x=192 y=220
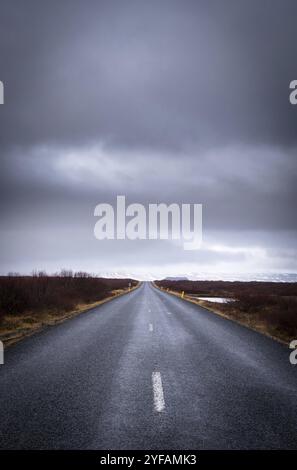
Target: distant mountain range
x=176 y=279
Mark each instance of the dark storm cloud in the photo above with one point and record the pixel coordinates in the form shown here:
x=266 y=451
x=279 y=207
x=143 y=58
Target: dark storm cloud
x=163 y=101
x=157 y=74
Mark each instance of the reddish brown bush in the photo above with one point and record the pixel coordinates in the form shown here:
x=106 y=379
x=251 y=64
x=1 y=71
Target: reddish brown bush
x=19 y=294
x=231 y=289
x=271 y=303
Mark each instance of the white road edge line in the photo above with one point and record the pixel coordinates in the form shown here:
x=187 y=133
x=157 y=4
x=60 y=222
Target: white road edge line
x=159 y=402
x=151 y=328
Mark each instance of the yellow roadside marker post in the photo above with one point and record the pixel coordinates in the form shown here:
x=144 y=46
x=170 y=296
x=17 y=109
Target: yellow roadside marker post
x=182 y=294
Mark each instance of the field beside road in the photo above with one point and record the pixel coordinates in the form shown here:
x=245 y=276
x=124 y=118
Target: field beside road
x=268 y=307
x=29 y=303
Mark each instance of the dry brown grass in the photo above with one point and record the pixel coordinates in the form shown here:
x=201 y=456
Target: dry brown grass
x=28 y=304
x=270 y=308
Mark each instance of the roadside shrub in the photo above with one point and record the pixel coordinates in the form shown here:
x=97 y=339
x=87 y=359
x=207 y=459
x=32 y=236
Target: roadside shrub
x=61 y=292
x=270 y=303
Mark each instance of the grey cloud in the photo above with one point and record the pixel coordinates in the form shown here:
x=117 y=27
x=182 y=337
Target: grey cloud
x=149 y=74
x=172 y=101
x=240 y=187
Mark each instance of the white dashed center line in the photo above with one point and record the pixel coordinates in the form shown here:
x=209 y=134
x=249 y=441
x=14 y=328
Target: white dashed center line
x=151 y=328
x=159 y=402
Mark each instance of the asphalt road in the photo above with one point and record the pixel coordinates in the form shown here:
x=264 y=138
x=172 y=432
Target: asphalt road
x=148 y=371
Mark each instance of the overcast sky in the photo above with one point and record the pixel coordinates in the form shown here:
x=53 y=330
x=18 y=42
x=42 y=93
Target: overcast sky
x=161 y=101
